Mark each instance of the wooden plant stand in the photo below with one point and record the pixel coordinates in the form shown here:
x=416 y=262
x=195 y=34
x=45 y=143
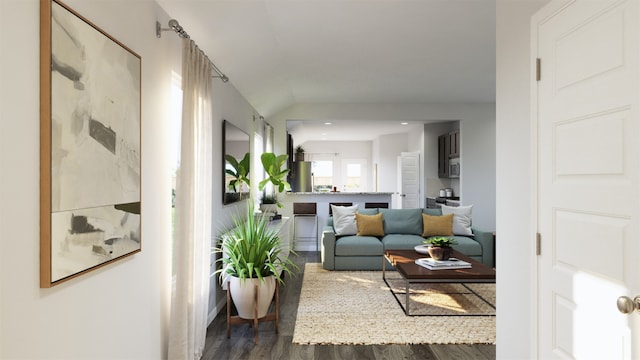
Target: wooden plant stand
x=234 y=320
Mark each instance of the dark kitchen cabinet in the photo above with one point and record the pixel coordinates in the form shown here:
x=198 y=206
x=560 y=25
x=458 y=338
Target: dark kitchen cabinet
x=448 y=148
x=443 y=156
x=454 y=144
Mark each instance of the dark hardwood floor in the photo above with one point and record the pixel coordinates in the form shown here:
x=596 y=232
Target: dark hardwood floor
x=279 y=346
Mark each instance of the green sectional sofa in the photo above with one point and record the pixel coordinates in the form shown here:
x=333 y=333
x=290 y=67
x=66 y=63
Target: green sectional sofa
x=403 y=229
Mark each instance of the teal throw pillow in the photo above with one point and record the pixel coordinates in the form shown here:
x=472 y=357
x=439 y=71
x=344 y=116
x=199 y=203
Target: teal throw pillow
x=402 y=221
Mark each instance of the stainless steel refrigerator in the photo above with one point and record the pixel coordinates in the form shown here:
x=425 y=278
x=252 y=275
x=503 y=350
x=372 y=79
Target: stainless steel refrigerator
x=302 y=177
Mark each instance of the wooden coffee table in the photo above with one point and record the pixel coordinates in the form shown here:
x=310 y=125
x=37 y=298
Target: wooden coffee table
x=404 y=262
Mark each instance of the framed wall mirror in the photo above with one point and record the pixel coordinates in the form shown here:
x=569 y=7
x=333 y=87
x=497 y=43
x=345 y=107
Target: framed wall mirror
x=236 y=152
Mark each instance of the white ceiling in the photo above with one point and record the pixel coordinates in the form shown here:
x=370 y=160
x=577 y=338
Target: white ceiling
x=348 y=130
x=281 y=52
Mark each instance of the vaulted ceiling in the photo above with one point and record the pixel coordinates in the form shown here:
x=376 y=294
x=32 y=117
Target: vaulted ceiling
x=281 y=52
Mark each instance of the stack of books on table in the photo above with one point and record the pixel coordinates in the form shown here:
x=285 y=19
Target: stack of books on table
x=452 y=263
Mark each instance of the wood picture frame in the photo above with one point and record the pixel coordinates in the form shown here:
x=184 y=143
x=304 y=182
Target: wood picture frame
x=90 y=168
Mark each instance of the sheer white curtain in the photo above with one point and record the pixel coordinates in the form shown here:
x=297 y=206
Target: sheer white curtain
x=190 y=298
x=268 y=134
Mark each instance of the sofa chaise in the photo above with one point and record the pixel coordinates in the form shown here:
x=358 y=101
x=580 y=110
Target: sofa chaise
x=401 y=229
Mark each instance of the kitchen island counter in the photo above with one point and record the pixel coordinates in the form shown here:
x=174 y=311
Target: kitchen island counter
x=323 y=199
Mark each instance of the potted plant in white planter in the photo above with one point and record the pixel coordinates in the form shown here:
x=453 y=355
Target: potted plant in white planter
x=250 y=255
x=269 y=204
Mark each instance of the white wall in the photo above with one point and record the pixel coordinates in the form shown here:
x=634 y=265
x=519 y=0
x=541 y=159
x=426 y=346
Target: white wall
x=515 y=231
x=478 y=170
x=391 y=146
x=119 y=311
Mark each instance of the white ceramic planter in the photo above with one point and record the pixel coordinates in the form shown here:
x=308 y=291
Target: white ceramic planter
x=269 y=208
x=242 y=293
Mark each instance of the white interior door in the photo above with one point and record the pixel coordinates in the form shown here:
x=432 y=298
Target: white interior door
x=588 y=178
x=410 y=180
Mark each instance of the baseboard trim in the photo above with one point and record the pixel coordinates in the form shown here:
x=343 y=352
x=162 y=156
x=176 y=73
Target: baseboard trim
x=215 y=311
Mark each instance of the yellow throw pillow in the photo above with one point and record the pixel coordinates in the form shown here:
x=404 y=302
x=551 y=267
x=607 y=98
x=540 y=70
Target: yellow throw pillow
x=369 y=225
x=437 y=225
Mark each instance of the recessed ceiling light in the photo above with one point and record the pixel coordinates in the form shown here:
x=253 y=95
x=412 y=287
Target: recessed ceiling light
x=404 y=123
x=324 y=134
x=327 y=123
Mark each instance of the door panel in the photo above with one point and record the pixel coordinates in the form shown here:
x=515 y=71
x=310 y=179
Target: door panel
x=588 y=183
x=598 y=44
x=410 y=180
x=598 y=150
x=586 y=231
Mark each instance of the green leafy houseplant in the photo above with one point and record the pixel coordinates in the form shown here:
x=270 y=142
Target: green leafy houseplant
x=441 y=249
x=251 y=249
x=269 y=199
x=240 y=171
x=252 y=263
x=441 y=241
x=276 y=175
x=299 y=153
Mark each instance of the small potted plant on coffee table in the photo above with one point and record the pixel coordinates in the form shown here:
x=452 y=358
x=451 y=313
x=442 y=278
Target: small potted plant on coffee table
x=440 y=248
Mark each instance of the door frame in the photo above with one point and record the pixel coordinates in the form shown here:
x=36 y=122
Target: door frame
x=547 y=11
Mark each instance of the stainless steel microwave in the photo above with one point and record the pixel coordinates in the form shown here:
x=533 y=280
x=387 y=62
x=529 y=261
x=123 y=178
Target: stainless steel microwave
x=454 y=168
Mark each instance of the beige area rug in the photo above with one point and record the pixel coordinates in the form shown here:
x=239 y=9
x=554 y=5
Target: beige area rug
x=356 y=307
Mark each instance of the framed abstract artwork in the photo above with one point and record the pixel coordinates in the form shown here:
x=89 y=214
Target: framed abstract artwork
x=90 y=100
